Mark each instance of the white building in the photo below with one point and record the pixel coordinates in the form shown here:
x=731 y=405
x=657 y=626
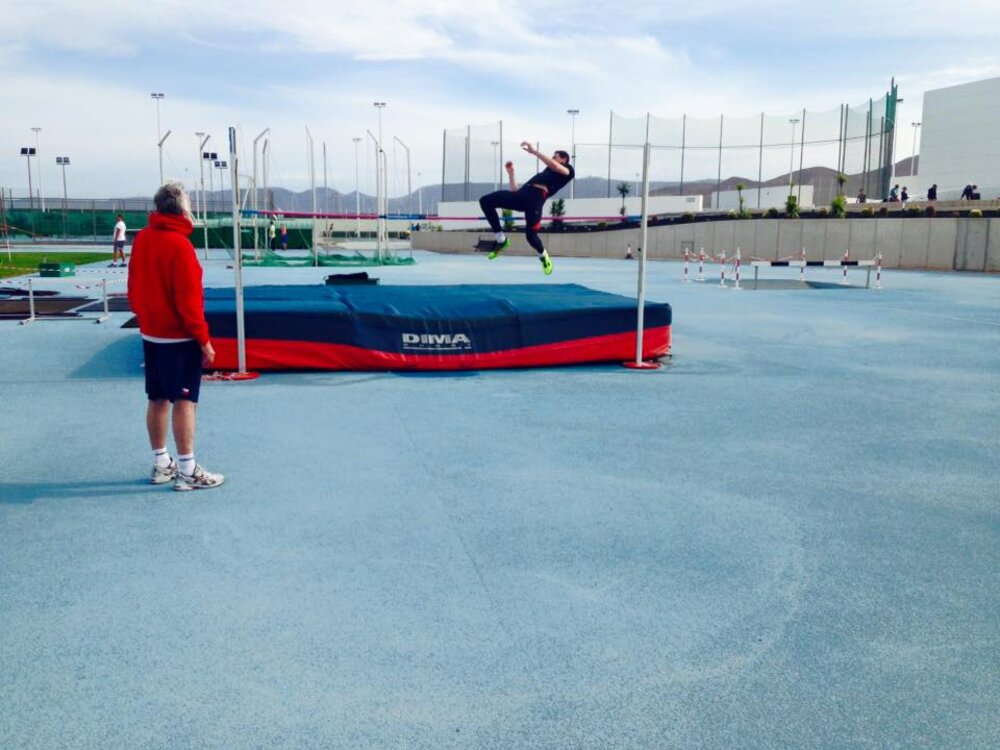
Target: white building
x=959 y=141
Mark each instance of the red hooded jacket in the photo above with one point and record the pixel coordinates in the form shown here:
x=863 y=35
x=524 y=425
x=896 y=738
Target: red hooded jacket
x=164 y=281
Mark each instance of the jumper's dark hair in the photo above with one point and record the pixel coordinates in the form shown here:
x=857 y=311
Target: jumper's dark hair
x=563 y=154
x=171 y=199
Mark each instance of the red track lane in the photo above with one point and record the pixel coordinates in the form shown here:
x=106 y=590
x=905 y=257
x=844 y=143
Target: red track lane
x=272 y=354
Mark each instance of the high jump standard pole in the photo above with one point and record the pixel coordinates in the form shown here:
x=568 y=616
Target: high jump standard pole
x=241 y=344
x=638 y=364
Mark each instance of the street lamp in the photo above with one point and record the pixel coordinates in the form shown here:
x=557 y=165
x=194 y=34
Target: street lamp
x=357 y=189
x=913 y=152
x=38 y=151
x=160 y=140
x=791 y=154
x=379 y=106
x=28 y=152
x=572 y=142
x=202 y=140
x=409 y=183
x=381 y=187
x=63 y=161
x=210 y=157
x=420 y=195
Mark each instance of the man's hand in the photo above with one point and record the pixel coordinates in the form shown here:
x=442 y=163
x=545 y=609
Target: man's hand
x=529 y=148
x=207 y=354
x=509 y=166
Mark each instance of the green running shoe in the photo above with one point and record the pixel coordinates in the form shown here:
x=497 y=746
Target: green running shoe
x=546 y=263
x=499 y=247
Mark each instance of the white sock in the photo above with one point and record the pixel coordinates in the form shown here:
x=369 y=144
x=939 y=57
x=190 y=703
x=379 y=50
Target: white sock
x=161 y=457
x=500 y=237
x=185 y=464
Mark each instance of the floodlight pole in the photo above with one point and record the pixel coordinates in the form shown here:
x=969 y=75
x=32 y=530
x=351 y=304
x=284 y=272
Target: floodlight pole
x=357 y=189
x=913 y=152
x=791 y=159
x=409 y=183
x=264 y=132
x=38 y=154
x=378 y=196
x=29 y=152
x=312 y=190
x=202 y=142
x=63 y=161
x=156 y=96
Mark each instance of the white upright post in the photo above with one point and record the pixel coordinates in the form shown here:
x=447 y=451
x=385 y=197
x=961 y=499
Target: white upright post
x=639 y=364
x=802 y=268
x=241 y=344
x=738 y=263
x=843 y=278
x=687 y=257
x=878 y=271
x=701 y=264
x=722 y=269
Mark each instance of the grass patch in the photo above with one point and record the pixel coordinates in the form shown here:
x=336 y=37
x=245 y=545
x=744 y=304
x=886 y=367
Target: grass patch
x=25 y=263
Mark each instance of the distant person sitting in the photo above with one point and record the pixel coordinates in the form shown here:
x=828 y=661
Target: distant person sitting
x=894 y=194
x=932 y=192
x=862 y=196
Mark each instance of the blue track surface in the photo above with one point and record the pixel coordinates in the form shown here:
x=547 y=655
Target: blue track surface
x=788 y=537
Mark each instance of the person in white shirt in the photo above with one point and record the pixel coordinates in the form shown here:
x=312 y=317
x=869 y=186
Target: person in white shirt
x=119 y=242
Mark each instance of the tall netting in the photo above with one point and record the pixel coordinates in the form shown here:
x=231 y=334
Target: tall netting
x=473 y=156
x=707 y=156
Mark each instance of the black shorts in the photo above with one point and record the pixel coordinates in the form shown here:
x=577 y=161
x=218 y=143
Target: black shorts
x=173 y=371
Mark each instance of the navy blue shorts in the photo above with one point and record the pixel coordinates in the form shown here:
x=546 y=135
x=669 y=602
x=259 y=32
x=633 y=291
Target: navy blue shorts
x=119 y=244
x=173 y=371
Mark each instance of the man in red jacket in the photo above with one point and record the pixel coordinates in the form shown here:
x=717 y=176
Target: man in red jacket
x=164 y=291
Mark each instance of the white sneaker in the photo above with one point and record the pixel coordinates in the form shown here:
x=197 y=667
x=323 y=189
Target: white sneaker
x=163 y=474
x=199 y=480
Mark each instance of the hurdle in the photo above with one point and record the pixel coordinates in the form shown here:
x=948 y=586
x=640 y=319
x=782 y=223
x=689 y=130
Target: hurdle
x=845 y=263
x=34 y=316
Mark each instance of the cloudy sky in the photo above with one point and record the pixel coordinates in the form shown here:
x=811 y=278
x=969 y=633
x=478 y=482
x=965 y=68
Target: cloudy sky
x=83 y=72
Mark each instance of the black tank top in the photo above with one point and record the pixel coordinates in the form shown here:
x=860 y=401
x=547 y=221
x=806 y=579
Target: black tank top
x=551 y=180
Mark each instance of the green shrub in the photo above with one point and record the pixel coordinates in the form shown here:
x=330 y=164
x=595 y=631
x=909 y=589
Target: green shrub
x=975 y=213
x=883 y=210
x=914 y=210
x=687 y=216
x=733 y=213
x=772 y=213
x=867 y=211
x=602 y=225
x=792 y=207
x=838 y=206
x=824 y=211
x=930 y=210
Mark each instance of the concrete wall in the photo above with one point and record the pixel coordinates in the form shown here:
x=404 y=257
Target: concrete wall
x=938 y=243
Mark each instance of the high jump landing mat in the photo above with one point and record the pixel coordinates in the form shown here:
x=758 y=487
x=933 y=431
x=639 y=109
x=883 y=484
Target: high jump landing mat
x=457 y=327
